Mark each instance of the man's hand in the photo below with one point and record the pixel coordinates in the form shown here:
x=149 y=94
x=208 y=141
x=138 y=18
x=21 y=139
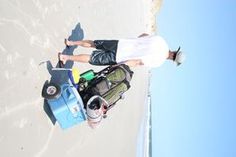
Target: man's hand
x=143 y=35
x=133 y=62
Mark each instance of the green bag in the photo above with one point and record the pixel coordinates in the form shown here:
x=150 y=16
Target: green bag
x=111 y=84
x=116 y=93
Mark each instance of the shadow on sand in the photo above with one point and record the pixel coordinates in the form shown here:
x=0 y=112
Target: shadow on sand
x=61 y=76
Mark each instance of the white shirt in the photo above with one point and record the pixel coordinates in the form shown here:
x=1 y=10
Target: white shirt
x=152 y=50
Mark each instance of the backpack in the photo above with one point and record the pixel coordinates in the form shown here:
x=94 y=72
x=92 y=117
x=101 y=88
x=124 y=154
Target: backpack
x=110 y=83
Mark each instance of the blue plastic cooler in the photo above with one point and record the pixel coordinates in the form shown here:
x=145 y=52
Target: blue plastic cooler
x=68 y=108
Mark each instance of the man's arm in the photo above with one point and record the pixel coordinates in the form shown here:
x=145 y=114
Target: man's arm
x=143 y=35
x=133 y=62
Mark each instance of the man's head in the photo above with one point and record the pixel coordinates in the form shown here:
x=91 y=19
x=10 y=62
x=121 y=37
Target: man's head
x=177 y=56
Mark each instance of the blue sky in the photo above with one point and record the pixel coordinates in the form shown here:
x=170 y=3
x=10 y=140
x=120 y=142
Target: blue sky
x=194 y=105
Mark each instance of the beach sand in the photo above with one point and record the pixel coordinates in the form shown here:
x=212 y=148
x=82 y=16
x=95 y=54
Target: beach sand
x=32 y=32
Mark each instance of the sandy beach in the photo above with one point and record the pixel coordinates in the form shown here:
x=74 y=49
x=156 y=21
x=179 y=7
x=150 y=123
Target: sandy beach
x=32 y=32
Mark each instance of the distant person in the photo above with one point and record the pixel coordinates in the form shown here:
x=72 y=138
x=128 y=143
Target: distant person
x=150 y=51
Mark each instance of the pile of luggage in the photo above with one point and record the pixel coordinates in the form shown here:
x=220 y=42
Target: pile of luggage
x=90 y=97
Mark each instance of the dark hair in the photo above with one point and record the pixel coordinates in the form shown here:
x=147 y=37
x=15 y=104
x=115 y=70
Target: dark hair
x=174 y=55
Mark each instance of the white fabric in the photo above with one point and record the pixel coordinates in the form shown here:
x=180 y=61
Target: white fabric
x=152 y=50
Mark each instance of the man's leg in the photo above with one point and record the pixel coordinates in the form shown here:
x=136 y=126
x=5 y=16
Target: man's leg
x=84 y=58
x=83 y=43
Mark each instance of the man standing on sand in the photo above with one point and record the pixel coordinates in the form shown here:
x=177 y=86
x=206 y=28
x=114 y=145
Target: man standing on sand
x=150 y=51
